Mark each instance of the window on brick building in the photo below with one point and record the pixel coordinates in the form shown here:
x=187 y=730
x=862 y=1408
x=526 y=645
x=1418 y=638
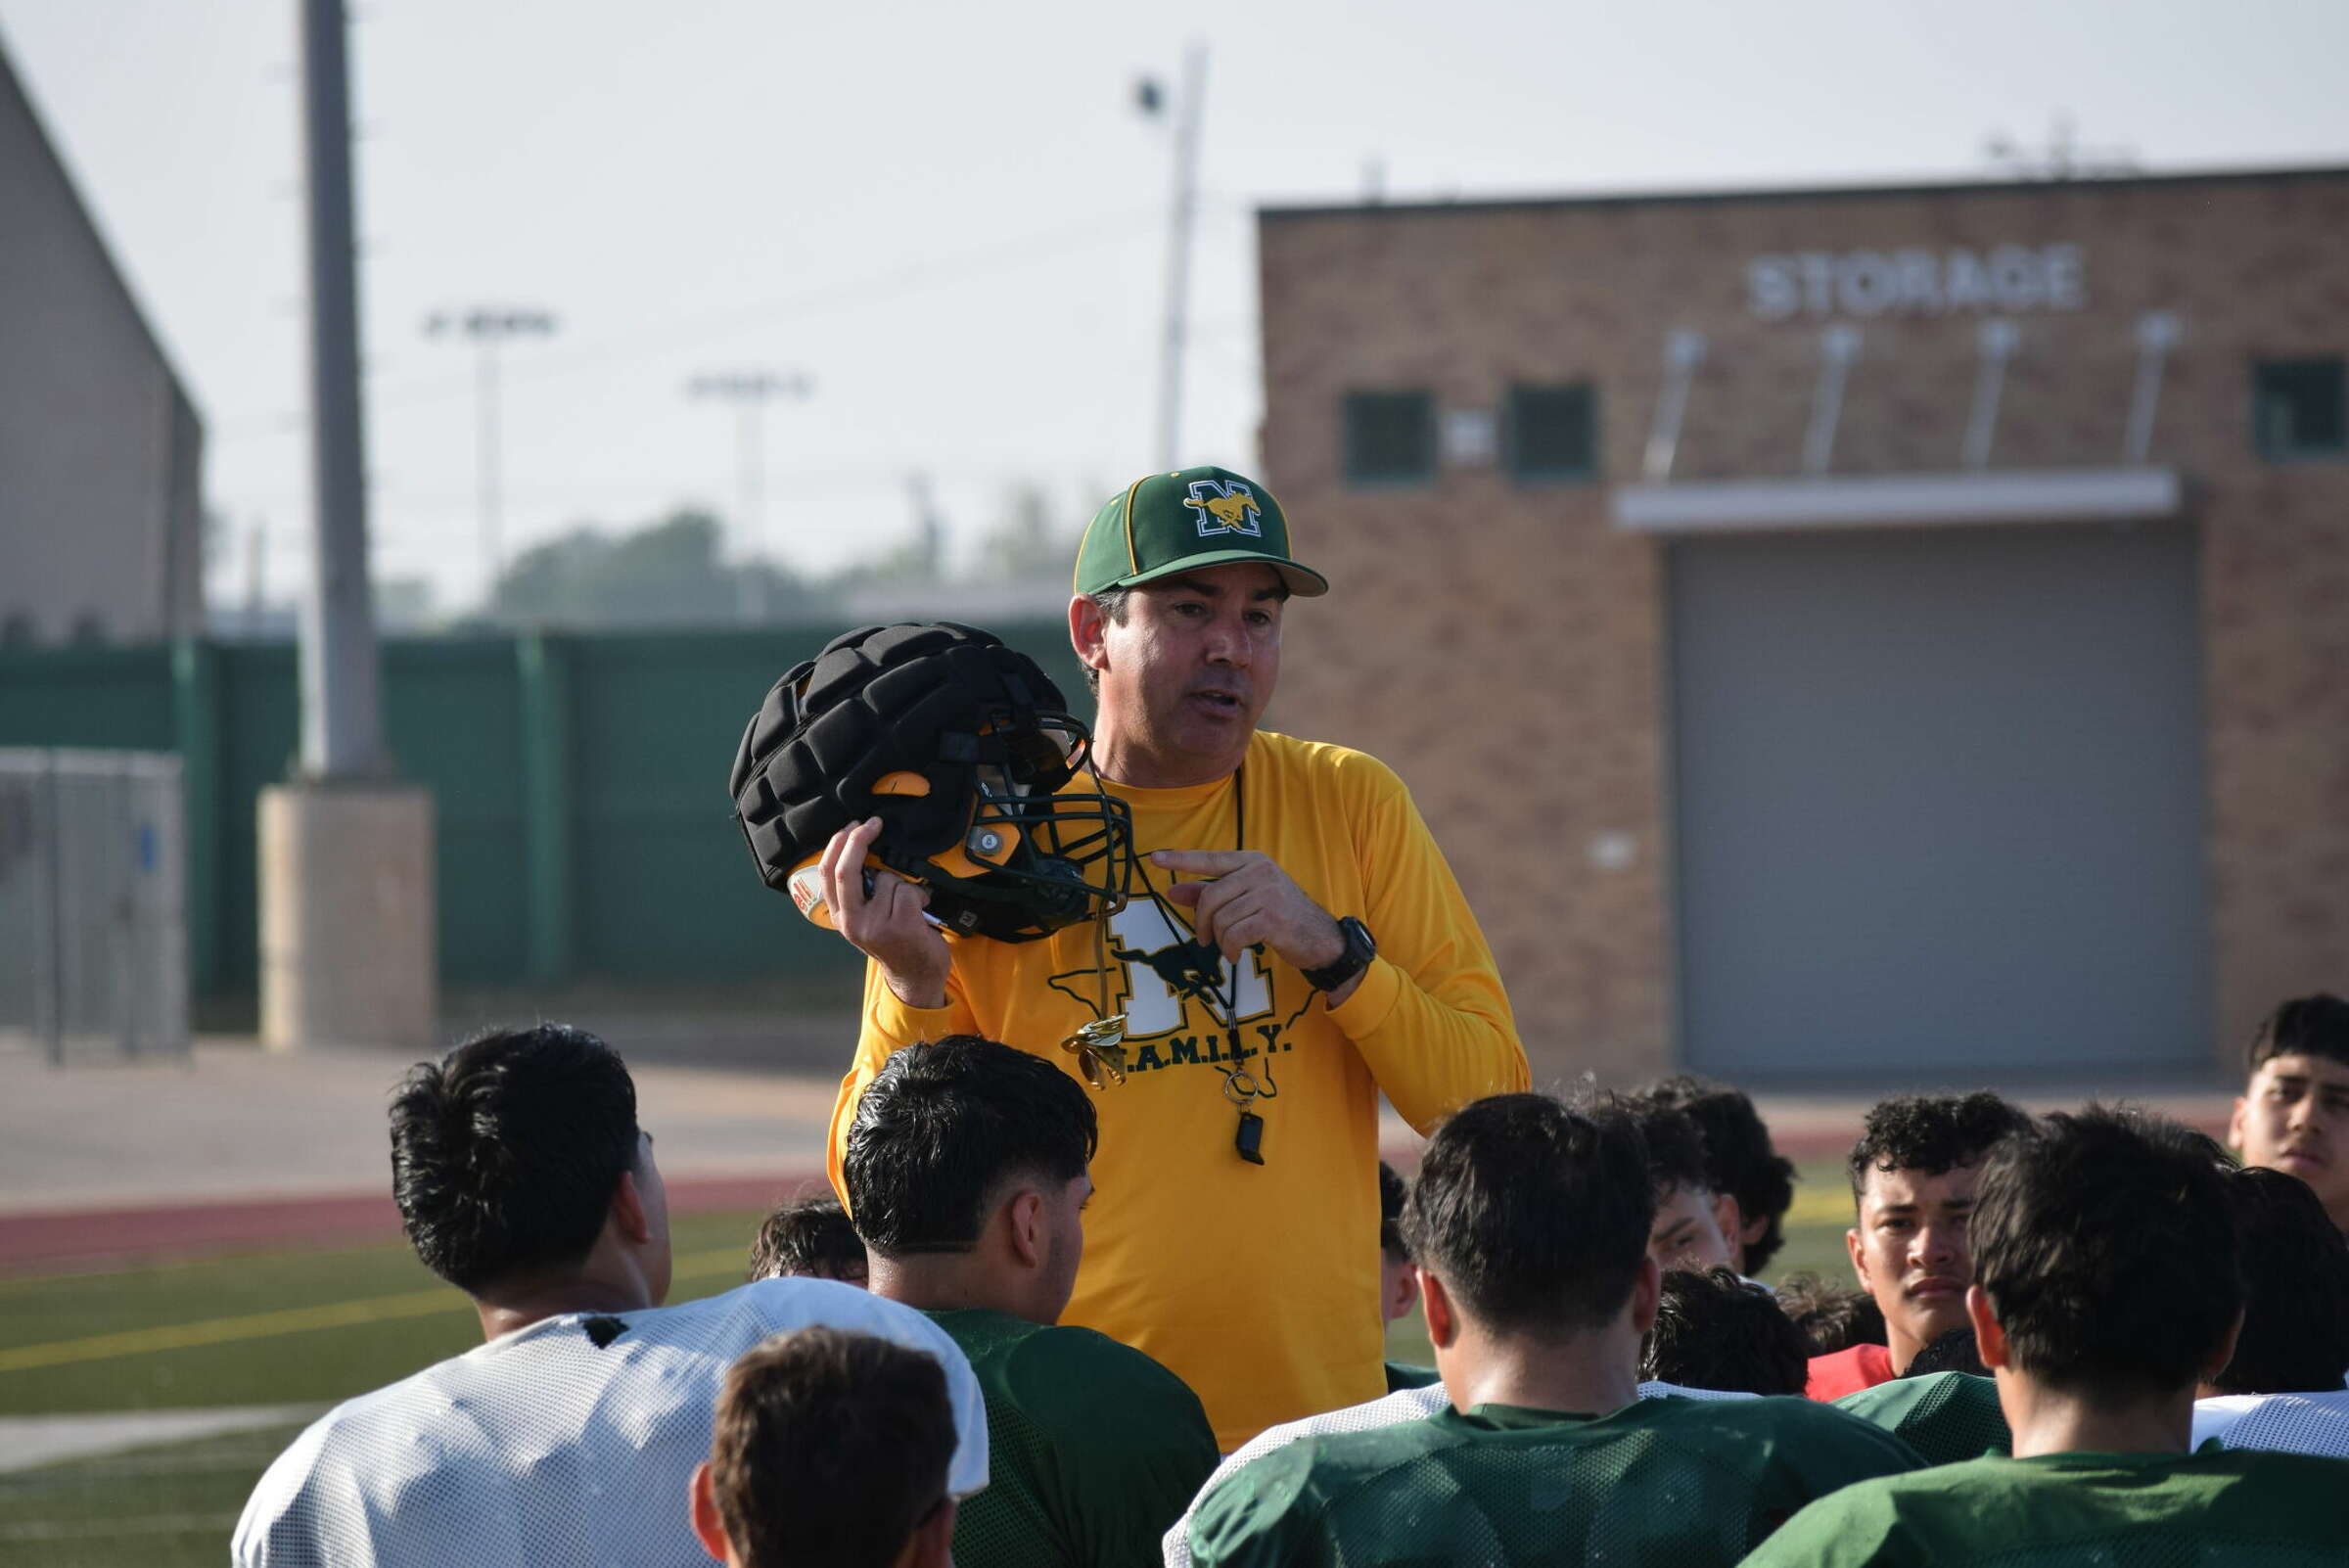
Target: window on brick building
x=1552 y=432
x=1390 y=438
x=2300 y=408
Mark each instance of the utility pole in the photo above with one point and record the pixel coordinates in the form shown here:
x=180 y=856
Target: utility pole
x=929 y=529
x=488 y=327
x=750 y=391
x=257 y=563
x=347 y=902
x=1151 y=99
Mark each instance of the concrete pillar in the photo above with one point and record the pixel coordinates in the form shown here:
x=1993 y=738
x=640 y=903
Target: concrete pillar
x=348 y=916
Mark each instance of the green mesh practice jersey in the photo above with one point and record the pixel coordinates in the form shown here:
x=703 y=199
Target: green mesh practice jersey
x=1663 y=1483
x=2221 y=1509
x=1402 y=1374
x=1094 y=1447
x=1946 y=1416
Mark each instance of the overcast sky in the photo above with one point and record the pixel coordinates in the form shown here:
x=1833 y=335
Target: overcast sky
x=952 y=218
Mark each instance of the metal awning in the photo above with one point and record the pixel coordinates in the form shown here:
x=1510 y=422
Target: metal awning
x=2134 y=489
x=1856 y=500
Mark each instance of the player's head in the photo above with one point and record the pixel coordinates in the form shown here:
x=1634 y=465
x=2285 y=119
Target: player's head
x=1714 y=1330
x=511 y=1154
x=1532 y=1218
x=1913 y=1174
x=829 y=1446
x=808 y=1236
x=2296 y=1336
x=2316 y=1025
x=2106 y=1256
x=1399 y=1280
x=2293 y=1115
x=965 y=1149
x=1687 y=1230
x=1752 y=1185
x=1180 y=589
x=1832 y=1318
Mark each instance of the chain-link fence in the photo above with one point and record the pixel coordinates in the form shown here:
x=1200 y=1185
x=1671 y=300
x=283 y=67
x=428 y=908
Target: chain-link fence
x=93 y=922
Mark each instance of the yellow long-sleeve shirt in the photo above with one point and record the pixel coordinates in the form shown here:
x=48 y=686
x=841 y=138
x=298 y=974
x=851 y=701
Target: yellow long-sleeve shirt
x=1257 y=1284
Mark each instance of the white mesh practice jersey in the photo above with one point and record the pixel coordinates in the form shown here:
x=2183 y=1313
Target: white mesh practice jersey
x=2282 y=1423
x=569 y=1442
x=1406 y=1405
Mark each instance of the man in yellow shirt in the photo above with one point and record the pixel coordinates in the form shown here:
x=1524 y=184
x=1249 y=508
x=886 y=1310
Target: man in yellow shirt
x=1293 y=945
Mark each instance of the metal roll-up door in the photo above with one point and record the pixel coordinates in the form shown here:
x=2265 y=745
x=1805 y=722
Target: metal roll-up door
x=1939 y=803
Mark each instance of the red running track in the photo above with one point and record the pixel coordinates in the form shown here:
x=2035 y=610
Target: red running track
x=93 y=1240
x=89 y=1239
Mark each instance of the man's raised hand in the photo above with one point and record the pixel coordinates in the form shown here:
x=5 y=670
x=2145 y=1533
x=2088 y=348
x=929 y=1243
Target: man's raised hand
x=1250 y=900
x=885 y=925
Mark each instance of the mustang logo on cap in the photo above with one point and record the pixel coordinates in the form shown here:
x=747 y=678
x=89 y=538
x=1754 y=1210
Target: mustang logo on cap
x=1225 y=508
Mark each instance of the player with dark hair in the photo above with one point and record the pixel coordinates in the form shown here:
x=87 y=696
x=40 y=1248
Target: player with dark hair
x=829 y=1446
x=808 y=1236
x=2283 y=1390
x=1292 y=946
x=2106 y=1289
x=966 y=1172
x=1531 y=1225
x=1714 y=1331
x=1752 y=1185
x=1832 y=1318
x=1687 y=1230
x=1399 y=1277
x=569 y=1437
x=2295 y=1335
x=1398 y=1282
x=1912 y=1171
x=2293 y=1114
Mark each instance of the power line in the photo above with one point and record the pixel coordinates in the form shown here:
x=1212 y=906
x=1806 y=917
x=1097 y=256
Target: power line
x=1030 y=250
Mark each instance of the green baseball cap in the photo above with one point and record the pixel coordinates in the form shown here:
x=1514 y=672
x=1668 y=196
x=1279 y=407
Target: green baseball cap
x=1163 y=524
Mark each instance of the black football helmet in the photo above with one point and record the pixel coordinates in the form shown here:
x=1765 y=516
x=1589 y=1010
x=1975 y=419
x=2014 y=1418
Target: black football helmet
x=961 y=745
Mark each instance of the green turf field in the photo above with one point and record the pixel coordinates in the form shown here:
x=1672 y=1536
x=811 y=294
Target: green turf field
x=308 y=1329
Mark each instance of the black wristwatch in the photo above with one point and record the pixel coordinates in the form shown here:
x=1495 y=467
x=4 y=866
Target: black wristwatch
x=1361 y=949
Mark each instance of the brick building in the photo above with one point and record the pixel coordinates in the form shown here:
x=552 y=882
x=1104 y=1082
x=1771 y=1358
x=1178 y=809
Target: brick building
x=1845 y=634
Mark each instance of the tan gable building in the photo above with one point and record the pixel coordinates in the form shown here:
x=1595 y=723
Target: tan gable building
x=1845 y=634
x=101 y=451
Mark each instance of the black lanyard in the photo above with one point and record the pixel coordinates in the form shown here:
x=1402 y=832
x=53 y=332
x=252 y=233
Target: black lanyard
x=1198 y=972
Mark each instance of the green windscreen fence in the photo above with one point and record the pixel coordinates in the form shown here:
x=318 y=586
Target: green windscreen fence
x=579 y=782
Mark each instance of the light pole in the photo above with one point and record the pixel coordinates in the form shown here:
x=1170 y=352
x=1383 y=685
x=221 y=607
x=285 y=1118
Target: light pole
x=338 y=969
x=750 y=391
x=488 y=327
x=342 y=726
x=1151 y=99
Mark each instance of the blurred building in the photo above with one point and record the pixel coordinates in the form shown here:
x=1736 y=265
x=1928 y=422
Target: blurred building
x=1845 y=634
x=101 y=517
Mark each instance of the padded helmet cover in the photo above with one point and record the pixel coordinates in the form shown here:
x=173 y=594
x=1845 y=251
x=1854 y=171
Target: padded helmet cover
x=947 y=702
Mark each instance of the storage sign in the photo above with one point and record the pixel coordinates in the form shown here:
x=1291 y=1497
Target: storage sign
x=2007 y=278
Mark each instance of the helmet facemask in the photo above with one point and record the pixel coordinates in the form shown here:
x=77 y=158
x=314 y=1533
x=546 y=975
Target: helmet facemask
x=1030 y=860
